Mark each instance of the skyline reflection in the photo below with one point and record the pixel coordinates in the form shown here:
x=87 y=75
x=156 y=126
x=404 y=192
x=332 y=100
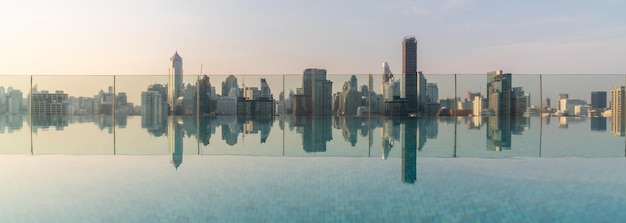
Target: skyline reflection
x=323 y=136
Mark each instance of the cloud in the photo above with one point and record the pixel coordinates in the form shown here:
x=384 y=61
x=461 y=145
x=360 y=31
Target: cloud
x=417 y=11
x=454 y=3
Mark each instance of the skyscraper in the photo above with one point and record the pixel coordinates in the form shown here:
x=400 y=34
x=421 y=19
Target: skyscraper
x=421 y=92
x=175 y=80
x=45 y=103
x=409 y=73
x=499 y=93
x=388 y=80
x=432 y=92
x=265 y=90
x=563 y=101
x=204 y=95
x=618 y=115
x=598 y=99
x=317 y=92
x=228 y=84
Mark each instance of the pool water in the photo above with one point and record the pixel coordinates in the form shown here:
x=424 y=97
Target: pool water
x=291 y=171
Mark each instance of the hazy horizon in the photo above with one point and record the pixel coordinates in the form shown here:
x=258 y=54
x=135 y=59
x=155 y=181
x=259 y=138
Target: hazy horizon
x=268 y=38
x=276 y=37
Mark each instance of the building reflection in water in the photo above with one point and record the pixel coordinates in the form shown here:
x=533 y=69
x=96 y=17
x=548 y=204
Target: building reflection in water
x=598 y=124
x=498 y=133
x=44 y=122
x=316 y=132
x=618 y=126
x=175 y=139
x=409 y=149
x=390 y=134
x=563 y=122
x=10 y=123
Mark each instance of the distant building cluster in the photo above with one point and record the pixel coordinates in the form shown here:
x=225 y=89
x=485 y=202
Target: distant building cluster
x=12 y=101
x=59 y=103
x=406 y=95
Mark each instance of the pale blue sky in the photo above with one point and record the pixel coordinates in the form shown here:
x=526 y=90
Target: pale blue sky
x=345 y=37
x=280 y=37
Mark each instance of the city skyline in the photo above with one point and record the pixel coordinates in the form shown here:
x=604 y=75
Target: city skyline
x=590 y=37
x=133 y=93
x=182 y=97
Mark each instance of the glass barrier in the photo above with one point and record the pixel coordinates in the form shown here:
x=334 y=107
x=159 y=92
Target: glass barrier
x=72 y=114
x=487 y=131
x=436 y=126
x=362 y=115
x=14 y=115
x=244 y=112
x=579 y=121
x=142 y=103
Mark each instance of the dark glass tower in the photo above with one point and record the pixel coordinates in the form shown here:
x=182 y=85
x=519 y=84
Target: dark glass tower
x=598 y=99
x=409 y=73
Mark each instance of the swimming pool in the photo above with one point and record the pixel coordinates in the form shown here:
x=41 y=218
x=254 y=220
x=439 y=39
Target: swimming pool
x=442 y=169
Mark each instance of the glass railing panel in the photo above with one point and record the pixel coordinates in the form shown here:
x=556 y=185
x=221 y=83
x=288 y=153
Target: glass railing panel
x=375 y=103
x=72 y=115
x=14 y=114
x=579 y=118
x=296 y=122
x=184 y=121
x=350 y=107
x=244 y=118
x=492 y=128
x=526 y=120
x=435 y=126
x=471 y=137
x=142 y=128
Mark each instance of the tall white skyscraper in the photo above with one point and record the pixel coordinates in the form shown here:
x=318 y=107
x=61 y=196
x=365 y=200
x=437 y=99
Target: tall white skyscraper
x=175 y=80
x=388 y=80
x=618 y=115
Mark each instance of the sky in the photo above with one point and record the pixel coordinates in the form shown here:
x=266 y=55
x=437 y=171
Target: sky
x=85 y=37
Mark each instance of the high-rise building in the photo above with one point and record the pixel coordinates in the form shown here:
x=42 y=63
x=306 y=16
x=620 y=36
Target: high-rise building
x=354 y=83
x=388 y=80
x=499 y=93
x=477 y=106
x=3 y=98
x=409 y=73
x=317 y=93
x=45 y=103
x=421 y=93
x=14 y=102
x=175 y=80
x=265 y=90
x=519 y=101
x=598 y=99
x=563 y=101
x=204 y=95
x=618 y=114
x=432 y=92
x=153 y=109
x=228 y=85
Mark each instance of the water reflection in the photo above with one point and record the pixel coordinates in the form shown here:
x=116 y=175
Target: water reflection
x=175 y=132
x=11 y=123
x=316 y=132
x=347 y=136
x=598 y=124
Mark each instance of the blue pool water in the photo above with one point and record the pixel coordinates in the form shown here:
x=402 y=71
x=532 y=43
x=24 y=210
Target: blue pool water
x=303 y=189
x=433 y=170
